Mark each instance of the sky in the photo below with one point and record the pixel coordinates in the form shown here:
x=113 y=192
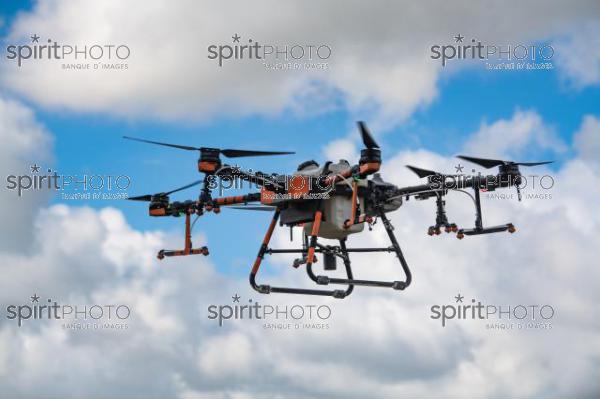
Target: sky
x=380 y=71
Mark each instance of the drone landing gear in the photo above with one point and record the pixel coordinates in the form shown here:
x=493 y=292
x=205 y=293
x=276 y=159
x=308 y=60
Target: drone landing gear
x=267 y=289
x=479 y=229
x=187 y=250
x=343 y=253
x=330 y=253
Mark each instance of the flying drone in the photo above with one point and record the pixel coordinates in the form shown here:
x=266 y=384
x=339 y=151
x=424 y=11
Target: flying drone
x=332 y=201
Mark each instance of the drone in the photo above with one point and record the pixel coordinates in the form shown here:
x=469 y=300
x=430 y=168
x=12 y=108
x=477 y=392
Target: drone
x=332 y=201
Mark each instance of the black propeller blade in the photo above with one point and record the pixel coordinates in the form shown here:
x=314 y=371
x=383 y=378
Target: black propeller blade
x=230 y=153
x=150 y=197
x=531 y=163
x=146 y=197
x=426 y=173
x=248 y=153
x=367 y=138
x=490 y=163
x=422 y=172
x=182 y=147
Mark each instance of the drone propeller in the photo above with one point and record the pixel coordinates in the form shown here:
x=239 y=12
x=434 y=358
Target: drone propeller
x=367 y=138
x=490 y=163
x=508 y=167
x=151 y=197
x=229 y=153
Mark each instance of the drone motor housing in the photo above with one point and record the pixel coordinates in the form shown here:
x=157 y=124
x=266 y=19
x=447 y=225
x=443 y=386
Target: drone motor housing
x=159 y=207
x=370 y=155
x=510 y=174
x=209 y=161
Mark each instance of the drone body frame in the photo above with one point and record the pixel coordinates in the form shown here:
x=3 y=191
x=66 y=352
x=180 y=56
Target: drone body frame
x=332 y=202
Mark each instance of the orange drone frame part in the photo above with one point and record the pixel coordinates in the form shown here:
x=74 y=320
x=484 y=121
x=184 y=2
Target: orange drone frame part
x=265 y=243
x=369 y=168
x=363 y=170
x=158 y=212
x=313 y=239
x=361 y=219
x=188 y=234
x=236 y=199
x=267 y=196
x=207 y=166
x=187 y=249
x=353 y=219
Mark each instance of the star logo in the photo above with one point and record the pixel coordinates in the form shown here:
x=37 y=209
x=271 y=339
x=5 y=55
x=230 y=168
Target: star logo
x=35 y=168
x=236 y=38
x=35 y=298
x=459 y=298
x=459 y=38
x=35 y=38
x=236 y=298
x=459 y=168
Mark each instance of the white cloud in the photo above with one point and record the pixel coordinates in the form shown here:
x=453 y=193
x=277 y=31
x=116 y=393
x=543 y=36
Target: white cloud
x=578 y=55
x=587 y=139
x=24 y=142
x=341 y=149
x=509 y=138
x=73 y=263
x=380 y=63
x=234 y=362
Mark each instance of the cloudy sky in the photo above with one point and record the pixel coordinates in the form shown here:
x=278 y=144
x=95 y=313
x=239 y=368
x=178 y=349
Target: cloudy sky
x=378 y=343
